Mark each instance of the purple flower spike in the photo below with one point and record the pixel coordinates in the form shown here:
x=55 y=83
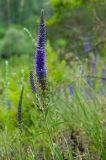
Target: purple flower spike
x=41 y=33
x=40 y=55
x=94 y=64
x=86 y=45
x=32 y=82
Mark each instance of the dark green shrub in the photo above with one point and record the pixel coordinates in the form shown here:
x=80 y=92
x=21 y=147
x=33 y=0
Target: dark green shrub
x=15 y=42
x=2 y=32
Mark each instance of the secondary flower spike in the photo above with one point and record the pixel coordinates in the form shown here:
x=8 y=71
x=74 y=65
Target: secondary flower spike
x=40 y=55
x=32 y=82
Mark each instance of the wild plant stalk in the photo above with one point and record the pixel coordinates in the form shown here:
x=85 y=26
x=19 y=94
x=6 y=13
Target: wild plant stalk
x=40 y=88
x=48 y=132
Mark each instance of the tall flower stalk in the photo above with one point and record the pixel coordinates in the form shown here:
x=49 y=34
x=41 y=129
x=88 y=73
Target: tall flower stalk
x=40 y=61
x=41 y=76
x=39 y=86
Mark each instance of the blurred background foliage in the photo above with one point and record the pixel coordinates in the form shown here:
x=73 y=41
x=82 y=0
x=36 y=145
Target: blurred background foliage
x=68 y=21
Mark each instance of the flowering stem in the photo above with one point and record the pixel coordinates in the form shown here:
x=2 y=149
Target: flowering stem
x=48 y=131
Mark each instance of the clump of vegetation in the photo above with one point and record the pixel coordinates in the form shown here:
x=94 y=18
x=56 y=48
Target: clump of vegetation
x=14 y=43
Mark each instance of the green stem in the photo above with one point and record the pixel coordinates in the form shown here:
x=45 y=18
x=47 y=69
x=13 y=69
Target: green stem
x=6 y=150
x=48 y=131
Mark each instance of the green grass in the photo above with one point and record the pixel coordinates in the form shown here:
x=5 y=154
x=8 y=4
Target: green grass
x=72 y=127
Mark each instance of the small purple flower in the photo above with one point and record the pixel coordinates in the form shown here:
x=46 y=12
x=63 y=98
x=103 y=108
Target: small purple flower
x=88 y=81
x=71 y=90
x=32 y=82
x=9 y=103
x=94 y=63
x=40 y=55
x=86 y=45
x=81 y=68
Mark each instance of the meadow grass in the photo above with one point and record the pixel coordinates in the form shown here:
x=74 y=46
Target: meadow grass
x=72 y=126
